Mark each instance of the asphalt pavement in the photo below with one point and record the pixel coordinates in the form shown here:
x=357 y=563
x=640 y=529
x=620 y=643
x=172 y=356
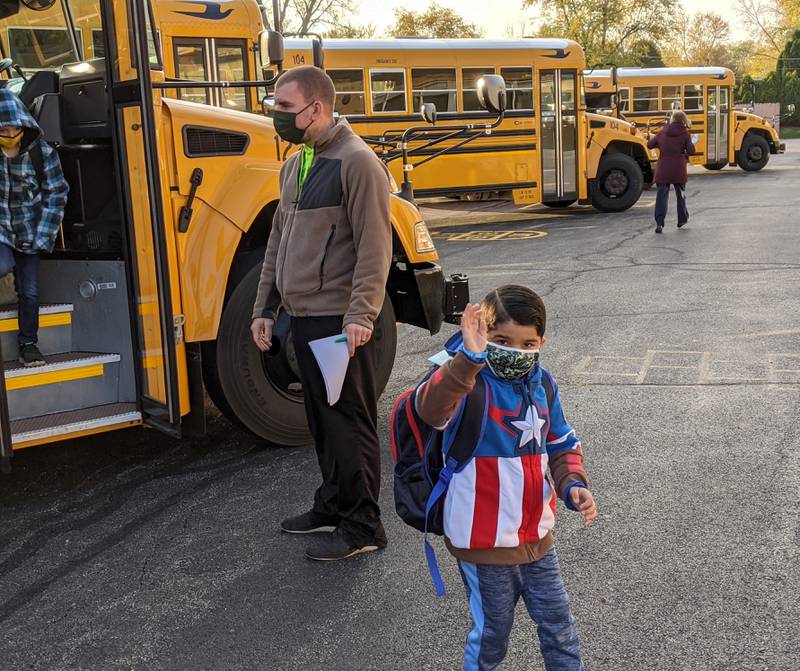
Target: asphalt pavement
x=678 y=361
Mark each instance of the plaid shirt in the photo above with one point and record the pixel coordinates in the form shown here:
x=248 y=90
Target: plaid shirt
x=30 y=212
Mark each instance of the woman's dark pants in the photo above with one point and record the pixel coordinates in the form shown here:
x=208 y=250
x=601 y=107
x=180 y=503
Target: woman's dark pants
x=662 y=198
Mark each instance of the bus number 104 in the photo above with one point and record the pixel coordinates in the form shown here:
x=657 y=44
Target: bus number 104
x=299 y=59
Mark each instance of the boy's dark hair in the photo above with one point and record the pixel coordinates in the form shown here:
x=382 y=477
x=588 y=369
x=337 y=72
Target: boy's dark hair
x=314 y=83
x=513 y=302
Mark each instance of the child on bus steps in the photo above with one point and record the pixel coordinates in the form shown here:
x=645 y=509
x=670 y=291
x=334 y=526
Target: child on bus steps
x=499 y=510
x=33 y=194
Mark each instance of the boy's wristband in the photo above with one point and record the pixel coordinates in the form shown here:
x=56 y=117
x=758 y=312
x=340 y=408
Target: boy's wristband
x=474 y=357
x=567 y=489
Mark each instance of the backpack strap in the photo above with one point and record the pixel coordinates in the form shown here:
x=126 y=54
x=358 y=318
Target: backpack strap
x=37 y=158
x=459 y=450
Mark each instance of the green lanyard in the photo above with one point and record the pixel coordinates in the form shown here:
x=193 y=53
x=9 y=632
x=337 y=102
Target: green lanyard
x=306 y=159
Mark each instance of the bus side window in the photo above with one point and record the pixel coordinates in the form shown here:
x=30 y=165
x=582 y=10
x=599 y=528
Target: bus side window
x=624 y=100
x=434 y=85
x=693 y=98
x=469 y=87
x=519 y=87
x=645 y=99
x=350 y=95
x=388 y=90
x=669 y=94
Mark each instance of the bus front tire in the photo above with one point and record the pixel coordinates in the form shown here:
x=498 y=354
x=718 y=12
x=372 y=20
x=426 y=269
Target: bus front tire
x=618 y=185
x=558 y=204
x=753 y=154
x=260 y=393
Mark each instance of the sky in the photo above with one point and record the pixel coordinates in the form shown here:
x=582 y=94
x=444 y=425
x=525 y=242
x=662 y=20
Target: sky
x=494 y=16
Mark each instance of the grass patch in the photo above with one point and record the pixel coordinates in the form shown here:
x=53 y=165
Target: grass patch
x=790 y=132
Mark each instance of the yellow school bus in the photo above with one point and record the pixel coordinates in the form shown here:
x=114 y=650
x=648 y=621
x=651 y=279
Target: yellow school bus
x=723 y=136
x=548 y=149
x=147 y=297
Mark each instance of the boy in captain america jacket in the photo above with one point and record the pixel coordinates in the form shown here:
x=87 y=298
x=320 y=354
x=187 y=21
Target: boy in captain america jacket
x=499 y=510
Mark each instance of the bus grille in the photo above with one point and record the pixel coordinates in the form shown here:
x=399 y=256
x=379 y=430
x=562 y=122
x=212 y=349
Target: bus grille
x=202 y=141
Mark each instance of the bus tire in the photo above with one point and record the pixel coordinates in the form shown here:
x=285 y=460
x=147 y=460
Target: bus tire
x=618 y=184
x=753 y=154
x=558 y=204
x=714 y=166
x=271 y=410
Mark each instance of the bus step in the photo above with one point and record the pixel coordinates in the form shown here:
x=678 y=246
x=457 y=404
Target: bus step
x=55 y=329
x=25 y=432
x=69 y=381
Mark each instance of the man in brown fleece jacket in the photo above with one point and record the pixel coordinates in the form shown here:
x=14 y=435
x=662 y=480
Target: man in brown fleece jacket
x=326 y=263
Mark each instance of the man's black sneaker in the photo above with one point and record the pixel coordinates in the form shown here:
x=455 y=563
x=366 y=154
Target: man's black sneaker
x=681 y=224
x=29 y=355
x=339 y=545
x=659 y=229
x=309 y=523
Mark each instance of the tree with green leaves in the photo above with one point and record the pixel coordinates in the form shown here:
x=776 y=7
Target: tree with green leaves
x=606 y=29
x=436 y=21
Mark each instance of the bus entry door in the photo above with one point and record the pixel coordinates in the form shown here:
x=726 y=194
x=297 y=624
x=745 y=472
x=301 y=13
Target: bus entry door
x=718 y=124
x=559 y=134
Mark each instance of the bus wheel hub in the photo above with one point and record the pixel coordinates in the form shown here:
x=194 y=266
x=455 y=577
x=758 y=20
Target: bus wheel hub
x=615 y=183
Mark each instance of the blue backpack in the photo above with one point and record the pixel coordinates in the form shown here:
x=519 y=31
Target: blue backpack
x=425 y=462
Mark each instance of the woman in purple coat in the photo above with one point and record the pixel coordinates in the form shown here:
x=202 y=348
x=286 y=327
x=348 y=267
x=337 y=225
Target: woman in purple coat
x=674 y=149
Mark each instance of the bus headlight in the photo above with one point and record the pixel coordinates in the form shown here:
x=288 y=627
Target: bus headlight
x=422 y=238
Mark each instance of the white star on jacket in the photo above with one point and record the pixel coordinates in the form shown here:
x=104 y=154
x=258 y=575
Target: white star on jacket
x=531 y=427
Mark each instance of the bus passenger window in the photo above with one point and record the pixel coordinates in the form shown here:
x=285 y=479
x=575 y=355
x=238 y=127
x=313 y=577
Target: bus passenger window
x=190 y=63
x=669 y=94
x=624 y=100
x=232 y=67
x=519 y=88
x=434 y=85
x=350 y=98
x=692 y=98
x=645 y=99
x=388 y=91
x=98 y=48
x=469 y=87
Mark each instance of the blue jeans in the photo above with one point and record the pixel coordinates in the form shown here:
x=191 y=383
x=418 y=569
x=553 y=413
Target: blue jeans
x=26 y=280
x=493 y=593
x=662 y=196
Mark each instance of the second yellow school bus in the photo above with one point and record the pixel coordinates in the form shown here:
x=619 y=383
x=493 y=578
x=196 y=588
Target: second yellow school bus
x=548 y=149
x=723 y=135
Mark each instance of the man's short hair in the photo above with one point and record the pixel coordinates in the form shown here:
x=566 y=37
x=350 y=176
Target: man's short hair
x=312 y=82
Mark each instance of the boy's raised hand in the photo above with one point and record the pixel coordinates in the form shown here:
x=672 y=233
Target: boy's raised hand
x=473 y=328
x=584 y=503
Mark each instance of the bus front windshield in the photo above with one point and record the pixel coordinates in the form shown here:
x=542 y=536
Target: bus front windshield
x=44 y=38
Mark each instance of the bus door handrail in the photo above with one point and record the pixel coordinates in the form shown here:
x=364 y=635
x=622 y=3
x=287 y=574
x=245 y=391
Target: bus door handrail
x=5 y=422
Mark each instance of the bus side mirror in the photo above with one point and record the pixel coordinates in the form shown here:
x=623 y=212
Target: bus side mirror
x=676 y=104
x=270 y=48
x=492 y=93
x=790 y=108
x=428 y=112
x=318 y=54
x=614 y=76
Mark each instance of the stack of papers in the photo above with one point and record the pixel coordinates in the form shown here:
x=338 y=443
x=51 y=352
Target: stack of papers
x=332 y=357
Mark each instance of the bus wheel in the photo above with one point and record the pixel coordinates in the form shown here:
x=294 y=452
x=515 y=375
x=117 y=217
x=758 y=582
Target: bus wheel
x=714 y=166
x=264 y=393
x=754 y=153
x=618 y=185
x=558 y=203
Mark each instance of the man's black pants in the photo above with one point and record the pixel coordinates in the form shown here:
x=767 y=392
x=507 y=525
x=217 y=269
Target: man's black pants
x=662 y=196
x=345 y=434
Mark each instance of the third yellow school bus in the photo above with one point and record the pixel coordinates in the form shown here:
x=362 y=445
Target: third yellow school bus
x=722 y=134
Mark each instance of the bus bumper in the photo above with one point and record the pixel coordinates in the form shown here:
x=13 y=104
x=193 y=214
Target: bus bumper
x=422 y=296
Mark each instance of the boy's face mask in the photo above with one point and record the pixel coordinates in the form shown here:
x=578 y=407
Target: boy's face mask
x=508 y=363
x=9 y=142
